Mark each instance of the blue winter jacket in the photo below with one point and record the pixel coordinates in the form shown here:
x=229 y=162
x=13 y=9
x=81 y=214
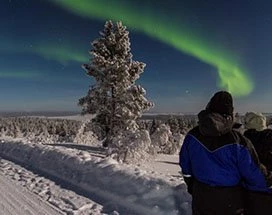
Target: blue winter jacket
x=216 y=155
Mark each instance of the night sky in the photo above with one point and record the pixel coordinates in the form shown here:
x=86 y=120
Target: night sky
x=192 y=48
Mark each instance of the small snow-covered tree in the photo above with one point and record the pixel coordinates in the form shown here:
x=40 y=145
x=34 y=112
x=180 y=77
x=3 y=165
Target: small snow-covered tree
x=164 y=141
x=131 y=146
x=115 y=98
x=85 y=134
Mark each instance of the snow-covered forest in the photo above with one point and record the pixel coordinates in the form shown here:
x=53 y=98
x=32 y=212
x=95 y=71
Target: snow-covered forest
x=60 y=130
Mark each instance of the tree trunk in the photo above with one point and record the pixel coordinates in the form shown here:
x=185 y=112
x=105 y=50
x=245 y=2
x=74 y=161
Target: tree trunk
x=113 y=108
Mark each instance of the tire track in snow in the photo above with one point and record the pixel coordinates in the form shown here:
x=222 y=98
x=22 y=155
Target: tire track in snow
x=64 y=200
x=15 y=200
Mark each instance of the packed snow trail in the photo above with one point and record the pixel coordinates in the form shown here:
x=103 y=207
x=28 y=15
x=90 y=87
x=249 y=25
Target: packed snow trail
x=65 y=200
x=16 y=200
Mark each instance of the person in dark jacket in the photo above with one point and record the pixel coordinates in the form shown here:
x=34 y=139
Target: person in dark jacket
x=261 y=138
x=218 y=163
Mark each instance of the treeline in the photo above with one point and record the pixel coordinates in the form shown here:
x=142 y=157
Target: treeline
x=39 y=129
x=166 y=135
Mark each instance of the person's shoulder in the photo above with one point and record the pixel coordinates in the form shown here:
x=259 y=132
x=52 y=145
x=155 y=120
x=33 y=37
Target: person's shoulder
x=267 y=131
x=266 y=134
x=240 y=138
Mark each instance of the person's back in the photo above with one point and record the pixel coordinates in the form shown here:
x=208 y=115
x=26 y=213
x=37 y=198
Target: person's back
x=216 y=187
x=216 y=161
x=262 y=141
x=260 y=136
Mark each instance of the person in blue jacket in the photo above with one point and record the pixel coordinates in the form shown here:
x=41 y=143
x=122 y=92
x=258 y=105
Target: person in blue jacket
x=218 y=163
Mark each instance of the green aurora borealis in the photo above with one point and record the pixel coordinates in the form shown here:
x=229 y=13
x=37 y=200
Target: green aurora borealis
x=231 y=75
x=63 y=54
x=191 y=49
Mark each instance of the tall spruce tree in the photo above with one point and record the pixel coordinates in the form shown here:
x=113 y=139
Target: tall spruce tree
x=115 y=98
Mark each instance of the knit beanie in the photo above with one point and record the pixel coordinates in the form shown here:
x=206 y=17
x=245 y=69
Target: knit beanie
x=255 y=121
x=221 y=103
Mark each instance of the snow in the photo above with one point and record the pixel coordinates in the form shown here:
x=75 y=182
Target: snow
x=17 y=200
x=64 y=200
x=109 y=187
x=165 y=165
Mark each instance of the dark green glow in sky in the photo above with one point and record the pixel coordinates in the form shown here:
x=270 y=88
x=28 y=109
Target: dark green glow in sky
x=18 y=74
x=231 y=76
x=63 y=53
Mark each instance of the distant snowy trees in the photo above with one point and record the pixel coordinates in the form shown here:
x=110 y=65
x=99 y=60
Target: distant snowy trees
x=115 y=99
x=40 y=130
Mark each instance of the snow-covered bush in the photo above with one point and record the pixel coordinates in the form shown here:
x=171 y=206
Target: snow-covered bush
x=85 y=135
x=131 y=146
x=177 y=140
x=163 y=141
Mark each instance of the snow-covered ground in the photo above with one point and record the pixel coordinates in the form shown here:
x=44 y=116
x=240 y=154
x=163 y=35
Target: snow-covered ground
x=119 y=188
x=14 y=199
x=80 y=179
x=49 y=193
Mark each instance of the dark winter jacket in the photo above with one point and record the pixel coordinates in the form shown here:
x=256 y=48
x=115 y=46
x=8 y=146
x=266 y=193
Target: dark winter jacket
x=216 y=162
x=262 y=141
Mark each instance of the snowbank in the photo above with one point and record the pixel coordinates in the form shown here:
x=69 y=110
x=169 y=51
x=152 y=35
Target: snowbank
x=127 y=190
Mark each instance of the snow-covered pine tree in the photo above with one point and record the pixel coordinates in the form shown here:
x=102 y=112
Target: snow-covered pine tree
x=115 y=99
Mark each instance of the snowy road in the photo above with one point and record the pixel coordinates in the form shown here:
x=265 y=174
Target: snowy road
x=43 y=190
x=16 y=200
